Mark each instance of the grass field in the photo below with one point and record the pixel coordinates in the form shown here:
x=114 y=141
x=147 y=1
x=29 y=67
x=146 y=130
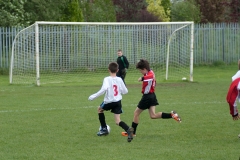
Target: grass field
x=56 y=122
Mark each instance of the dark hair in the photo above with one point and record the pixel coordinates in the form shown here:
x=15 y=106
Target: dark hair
x=119 y=50
x=143 y=64
x=113 y=67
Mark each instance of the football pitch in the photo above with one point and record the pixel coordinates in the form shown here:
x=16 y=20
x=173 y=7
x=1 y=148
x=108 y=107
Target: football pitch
x=58 y=122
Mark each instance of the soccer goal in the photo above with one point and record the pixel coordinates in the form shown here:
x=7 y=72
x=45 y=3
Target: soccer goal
x=66 y=52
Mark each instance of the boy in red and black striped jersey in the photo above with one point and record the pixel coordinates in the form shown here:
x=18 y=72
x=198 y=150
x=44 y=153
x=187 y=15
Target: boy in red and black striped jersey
x=149 y=99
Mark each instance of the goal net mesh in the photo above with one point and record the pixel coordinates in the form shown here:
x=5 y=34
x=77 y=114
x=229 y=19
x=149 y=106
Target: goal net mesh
x=70 y=53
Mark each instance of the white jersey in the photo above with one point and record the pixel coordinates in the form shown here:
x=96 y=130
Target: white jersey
x=113 y=87
x=237 y=75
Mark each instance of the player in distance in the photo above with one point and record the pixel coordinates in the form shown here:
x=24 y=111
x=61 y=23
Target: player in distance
x=123 y=65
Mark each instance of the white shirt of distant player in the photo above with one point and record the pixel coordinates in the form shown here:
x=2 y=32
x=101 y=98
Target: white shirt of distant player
x=237 y=75
x=113 y=87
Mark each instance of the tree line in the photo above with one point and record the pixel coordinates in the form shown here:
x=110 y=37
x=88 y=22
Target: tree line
x=26 y=12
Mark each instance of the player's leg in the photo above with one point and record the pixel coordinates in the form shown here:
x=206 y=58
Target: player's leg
x=142 y=105
x=116 y=108
x=128 y=130
x=135 y=121
x=101 y=117
x=175 y=116
x=102 y=121
x=163 y=115
x=154 y=115
x=123 y=75
x=119 y=122
x=136 y=115
x=152 y=100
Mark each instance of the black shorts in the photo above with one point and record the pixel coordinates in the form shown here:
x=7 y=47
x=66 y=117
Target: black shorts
x=147 y=101
x=115 y=107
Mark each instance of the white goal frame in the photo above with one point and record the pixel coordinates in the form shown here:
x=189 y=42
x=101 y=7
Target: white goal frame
x=191 y=50
x=36 y=30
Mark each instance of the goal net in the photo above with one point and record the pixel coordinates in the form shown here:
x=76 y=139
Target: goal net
x=70 y=52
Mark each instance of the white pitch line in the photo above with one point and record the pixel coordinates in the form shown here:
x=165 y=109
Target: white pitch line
x=44 y=109
x=213 y=102
x=87 y=107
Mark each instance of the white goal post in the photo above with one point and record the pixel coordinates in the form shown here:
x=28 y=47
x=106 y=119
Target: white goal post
x=69 y=52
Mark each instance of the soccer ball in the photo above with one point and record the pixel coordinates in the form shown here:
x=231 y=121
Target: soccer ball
x=184 y=78
x=108 y=128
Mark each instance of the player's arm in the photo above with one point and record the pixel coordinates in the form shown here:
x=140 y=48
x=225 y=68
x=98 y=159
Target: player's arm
x=95 y=95
x=126 y=61
x=123 y=88
x=150 y=76
x=100 y=92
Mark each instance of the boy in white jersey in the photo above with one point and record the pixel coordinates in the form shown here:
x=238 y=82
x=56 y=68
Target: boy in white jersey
x=113 y=87
x=149 y=99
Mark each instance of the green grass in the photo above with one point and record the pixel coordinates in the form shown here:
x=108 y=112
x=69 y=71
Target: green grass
x=58 y=122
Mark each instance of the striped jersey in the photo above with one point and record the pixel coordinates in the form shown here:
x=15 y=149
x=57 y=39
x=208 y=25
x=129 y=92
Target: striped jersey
x=149 y=82
x=113 y=87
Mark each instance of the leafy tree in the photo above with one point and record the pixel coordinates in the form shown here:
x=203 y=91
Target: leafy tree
x=98 y=10
x=72 y=12
x=185 y=11
x=45 y=10
x=12 y=13
x=166 y=6
x=155 y=7
x=212 y=10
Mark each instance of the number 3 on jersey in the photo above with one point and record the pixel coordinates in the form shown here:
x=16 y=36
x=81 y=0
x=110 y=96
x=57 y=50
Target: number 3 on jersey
x=115 y=89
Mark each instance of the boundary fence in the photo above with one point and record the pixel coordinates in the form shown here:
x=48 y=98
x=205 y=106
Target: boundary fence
x=213 y=42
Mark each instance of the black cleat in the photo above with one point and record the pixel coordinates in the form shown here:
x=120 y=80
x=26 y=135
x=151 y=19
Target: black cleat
x=130 y=134
x=103 y=132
